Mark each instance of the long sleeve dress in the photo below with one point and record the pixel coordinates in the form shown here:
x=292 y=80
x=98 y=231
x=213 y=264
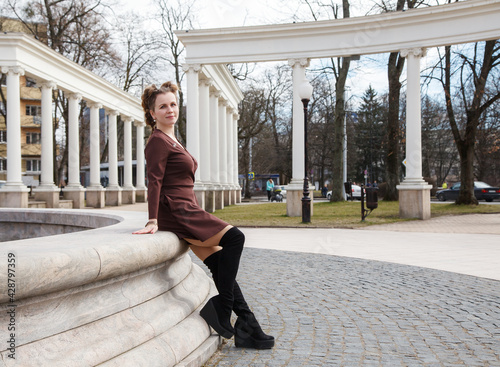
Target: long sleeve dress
x=171 y=198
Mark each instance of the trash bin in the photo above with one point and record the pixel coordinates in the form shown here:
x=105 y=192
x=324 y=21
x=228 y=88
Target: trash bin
x=348 y=189
x=371 y=197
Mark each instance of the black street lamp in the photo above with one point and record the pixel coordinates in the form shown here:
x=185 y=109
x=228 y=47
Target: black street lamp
x=305 y=93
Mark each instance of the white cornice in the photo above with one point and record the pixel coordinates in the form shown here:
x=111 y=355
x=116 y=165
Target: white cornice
x=42 y=63
x=462 y=22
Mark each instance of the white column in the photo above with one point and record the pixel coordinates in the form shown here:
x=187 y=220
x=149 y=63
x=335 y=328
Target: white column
x=222 y=143
x=113 y=195
x=74 y=190
x=47 y=179
x=128 y=193
x=127 y=154
x=214 y=138
x=298 y=75
x=95 y=151
x=236 y=117
x=193 y=114
x=113 y=151
x=14 y=193
x=414 y=192
x=73 y=145
x=47 y=191
x=141 y=191
x=14 y=160
x=204 y=121
x=140 y=168
x=230 y=149
x=413 y=116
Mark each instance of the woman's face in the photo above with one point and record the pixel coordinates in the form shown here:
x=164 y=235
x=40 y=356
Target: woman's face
x=166 y=110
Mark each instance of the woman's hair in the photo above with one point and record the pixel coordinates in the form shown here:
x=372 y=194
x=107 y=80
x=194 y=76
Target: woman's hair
x=149 y=99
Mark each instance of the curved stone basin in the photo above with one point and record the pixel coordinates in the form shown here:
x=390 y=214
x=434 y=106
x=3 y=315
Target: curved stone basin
x=101 y=297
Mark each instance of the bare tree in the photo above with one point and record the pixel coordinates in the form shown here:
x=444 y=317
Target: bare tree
x=252 y=121
x=339 y=67
x=76 y=29
x=176 y=17
x=474 y=70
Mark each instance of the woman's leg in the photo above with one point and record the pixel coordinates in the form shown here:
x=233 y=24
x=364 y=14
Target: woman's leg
x=217 y=311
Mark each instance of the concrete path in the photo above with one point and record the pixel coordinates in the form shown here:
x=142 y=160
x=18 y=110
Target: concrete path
x=423 y=293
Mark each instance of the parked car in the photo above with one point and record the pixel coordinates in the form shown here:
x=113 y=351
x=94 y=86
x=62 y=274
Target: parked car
x=355 y=194
x=482 y=191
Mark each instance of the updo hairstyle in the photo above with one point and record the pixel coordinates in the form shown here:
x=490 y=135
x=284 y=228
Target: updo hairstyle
x=149 y=99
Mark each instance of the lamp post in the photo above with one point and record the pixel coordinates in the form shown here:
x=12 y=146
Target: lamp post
x=305 y=93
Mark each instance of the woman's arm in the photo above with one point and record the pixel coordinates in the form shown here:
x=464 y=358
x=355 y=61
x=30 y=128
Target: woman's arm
x=156 y=153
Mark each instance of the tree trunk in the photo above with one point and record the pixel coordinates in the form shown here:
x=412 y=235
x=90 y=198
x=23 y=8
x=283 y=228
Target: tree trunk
x=339 y=119
x=395 y=67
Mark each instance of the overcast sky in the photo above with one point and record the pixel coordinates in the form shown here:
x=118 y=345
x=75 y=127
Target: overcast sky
x=371 y=69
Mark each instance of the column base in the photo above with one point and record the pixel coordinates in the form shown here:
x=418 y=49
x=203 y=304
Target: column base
x=227 y=196
x=294 y=200
x=14 y=196
x=128 y=195
x=141 y=194
x=95 y=197
x=414 y=200
x=76 y=195
x=210 y=200
x=199 y=192
x=113 y=196
x=219 y=198
x=49 y=194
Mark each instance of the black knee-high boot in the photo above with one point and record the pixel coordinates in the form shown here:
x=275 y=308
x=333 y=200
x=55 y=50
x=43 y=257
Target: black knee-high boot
x=248 y=332
x=217 y=311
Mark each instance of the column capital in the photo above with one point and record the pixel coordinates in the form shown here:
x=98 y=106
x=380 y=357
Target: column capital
x=416 y=51
x=12 y=70
x=112 y=112
x=48 y=84
x=207 y=82
x=191 y=67
x=215 y=93
x=236 y=116
x=138 y=123
x=94 y=105
x=127 y=119
x=304 y=62
x=223 y=101
x=76 y=96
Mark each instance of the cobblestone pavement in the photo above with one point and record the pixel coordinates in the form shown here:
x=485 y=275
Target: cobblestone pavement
x=338 y=311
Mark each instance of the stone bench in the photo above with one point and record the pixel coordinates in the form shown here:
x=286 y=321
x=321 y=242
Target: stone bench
x=102 y=296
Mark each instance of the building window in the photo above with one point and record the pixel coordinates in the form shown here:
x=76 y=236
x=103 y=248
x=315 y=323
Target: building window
x=33 y=138
x=3 y=136
x=33 y=110
x=33 y=165
x=3 y=164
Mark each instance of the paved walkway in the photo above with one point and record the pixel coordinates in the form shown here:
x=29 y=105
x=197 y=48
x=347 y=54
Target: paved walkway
x=424 y=293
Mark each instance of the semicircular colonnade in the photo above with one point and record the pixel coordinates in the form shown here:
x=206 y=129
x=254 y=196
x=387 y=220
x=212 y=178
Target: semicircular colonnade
x=21 y=54
x=408 y=32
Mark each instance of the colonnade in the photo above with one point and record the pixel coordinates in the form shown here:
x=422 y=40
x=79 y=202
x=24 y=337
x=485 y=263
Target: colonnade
x=212 y=134
x=15 y=193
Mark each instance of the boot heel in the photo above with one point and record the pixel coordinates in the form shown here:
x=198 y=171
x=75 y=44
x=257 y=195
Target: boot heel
x=209 y=314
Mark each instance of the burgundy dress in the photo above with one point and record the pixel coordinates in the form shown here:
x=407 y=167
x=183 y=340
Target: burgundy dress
x=171 y=197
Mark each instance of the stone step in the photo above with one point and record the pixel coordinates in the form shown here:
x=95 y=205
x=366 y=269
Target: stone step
x=36 y=204
x=66 y=204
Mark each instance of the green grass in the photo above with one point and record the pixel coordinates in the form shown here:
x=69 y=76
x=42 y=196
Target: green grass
x=333 y=215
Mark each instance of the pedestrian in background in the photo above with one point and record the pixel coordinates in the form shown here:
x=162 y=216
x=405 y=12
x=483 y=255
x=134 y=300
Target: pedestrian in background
x=269 y=188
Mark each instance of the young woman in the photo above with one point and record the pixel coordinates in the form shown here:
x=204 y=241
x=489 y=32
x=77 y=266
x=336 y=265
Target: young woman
x=172 y=206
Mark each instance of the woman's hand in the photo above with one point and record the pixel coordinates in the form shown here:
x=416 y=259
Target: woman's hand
x=151 y=227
